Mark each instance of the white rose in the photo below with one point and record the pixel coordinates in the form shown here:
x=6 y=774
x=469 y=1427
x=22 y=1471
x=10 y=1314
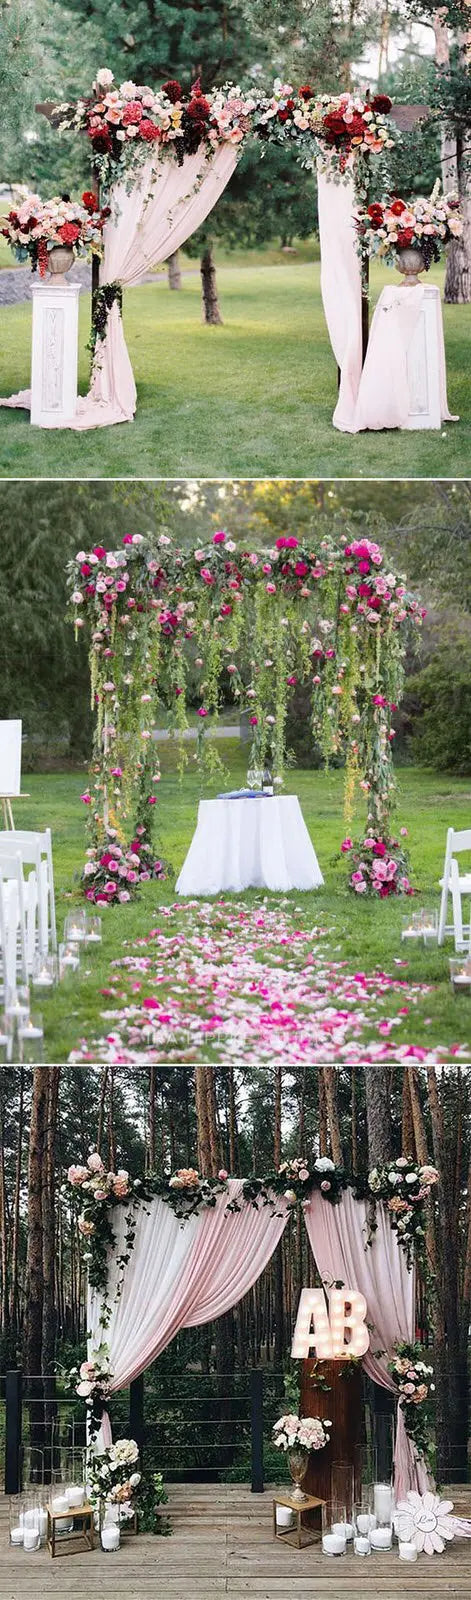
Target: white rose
x=323 y=1164
x=104 y=78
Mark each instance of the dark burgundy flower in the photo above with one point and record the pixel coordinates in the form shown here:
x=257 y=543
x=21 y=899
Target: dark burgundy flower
x=173 y=90
x=381 y=103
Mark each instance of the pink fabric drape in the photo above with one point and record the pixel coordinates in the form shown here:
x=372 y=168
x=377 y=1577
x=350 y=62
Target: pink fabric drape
x=337 y=1235
x=341 y=289
x=165 y=205
x=180 y=1275
x=383 y=395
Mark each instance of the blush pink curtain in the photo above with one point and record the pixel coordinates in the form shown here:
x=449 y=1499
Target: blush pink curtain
x=383 y=394
x=337 y=1235
x=341 y=290
x=165 y=205
x=179 y=1275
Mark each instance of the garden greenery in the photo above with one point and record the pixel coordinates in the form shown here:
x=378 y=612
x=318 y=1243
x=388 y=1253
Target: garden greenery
x=253 y=623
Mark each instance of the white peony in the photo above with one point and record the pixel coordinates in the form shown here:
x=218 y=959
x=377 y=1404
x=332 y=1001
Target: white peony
x=324 y=1164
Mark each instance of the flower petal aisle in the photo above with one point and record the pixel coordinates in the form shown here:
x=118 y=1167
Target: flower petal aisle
x=234 y=981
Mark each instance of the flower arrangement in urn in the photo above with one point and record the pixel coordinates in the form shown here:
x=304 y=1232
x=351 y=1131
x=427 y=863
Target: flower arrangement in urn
x=298 y=1436
x=52 y=233
x=410 y=235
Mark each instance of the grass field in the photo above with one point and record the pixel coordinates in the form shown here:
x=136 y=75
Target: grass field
x=366 y=935
x=253 y=398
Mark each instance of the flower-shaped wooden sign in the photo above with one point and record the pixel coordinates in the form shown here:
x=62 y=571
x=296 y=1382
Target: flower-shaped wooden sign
x=426 y=1521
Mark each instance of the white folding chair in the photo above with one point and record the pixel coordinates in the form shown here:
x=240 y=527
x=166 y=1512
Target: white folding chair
x=36 y=850
x=13 y=930
x=31 y=893
x=455 y=884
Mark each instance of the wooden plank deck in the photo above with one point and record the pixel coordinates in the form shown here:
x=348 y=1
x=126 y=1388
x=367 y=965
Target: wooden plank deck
x=222 y=1545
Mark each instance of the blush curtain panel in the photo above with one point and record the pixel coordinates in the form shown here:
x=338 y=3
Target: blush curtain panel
x=341 y=290
x=179 y=1275
x=337 y=1236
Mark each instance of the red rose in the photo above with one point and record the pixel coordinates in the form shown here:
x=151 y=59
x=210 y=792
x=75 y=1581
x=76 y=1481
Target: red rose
x=397 y=207
x=173 y=90
x=69 y=232
x=148 y=130
x=90 y=200
x=305 y=92
x=334 y=125
x=132 y=112
x=375 y=215
x=382 y=103
x=405 y=237
x=100 y=138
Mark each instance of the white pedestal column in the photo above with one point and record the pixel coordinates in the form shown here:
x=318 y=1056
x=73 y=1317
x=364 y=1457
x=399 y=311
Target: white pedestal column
x=423 y=365
x=54 y=353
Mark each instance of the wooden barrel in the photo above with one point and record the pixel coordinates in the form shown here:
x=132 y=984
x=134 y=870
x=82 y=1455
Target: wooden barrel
x=343 y=1403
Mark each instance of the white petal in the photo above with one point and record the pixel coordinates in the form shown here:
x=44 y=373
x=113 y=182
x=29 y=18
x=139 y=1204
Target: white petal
x=419 y=1539
x=430 y=1501
x=436 y=1542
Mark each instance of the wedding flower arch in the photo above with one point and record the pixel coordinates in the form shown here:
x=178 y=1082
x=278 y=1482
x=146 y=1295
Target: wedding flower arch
x=254 y=623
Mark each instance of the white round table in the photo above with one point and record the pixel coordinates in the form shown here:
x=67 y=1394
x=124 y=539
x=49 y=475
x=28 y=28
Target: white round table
x=260 y=843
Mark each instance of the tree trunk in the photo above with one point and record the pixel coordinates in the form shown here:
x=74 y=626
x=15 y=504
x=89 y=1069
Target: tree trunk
x=101 y=1109
x=330 y=1087
x=48 y=1222
x=14 y=1302
x=448 y=141
x=173 y=270
x=378 y=1115
x=458 y=270
x=211 y=311
x=34 y=1297
x=151 y=1151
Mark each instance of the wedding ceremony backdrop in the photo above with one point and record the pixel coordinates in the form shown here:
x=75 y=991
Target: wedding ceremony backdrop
x=197 y=1279
x=206 y=669
x=163 y=158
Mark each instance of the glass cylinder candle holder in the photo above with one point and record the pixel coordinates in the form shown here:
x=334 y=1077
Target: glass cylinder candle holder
x=31 y=1522
x=69 y=959
x=334 y=1538
x=17 y=1004
x=74 y=1477
x=460 y=974
x=411 y=926
x=93 y=930
x=16 y=1516
x=31 y=1038
x=363 y=1521
x=75 y=927
x=342 y=1491
x=59 y=1504
x=430 y=927
x=381 y=1534
x=45 y=972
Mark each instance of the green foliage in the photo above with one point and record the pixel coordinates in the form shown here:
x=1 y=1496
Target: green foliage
x=439 y=698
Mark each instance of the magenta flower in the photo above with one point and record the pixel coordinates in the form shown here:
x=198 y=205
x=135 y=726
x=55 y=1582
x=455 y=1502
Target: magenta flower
x=202 y=712
x=219 y=537
x=347 y=844
x=87 y=799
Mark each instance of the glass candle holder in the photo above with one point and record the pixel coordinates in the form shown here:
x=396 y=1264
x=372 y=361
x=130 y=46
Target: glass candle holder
x=75 y=927
x=31 y=1522
x=16 y=1519
x=411 y=926
x=31 y=1038
x=17 y=1004
x=69 y=959
x=342 y=1491
x=5 y=1041
x=45 y=972
x=460 y=974
x=381 y=1534
x=334 y=1538
x=430 y=927
x=363 y=1522
x=93 y=930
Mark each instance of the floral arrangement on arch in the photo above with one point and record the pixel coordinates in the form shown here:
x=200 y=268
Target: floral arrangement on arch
x=332 y=616
x=336 y=129
x=403 y=1185
x=388 y=226
x=38 y=226
x=96 y=1191
x=414 y=1381
x=301 y=1433
x=124 y=122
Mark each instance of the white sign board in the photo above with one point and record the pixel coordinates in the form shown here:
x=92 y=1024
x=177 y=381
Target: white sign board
x=330 y=1333
x=10 y=757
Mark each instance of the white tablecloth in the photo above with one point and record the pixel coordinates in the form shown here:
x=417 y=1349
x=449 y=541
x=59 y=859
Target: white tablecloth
x=243 y=844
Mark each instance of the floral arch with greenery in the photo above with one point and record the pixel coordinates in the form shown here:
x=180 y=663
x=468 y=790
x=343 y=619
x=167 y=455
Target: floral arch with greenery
x=253 y=623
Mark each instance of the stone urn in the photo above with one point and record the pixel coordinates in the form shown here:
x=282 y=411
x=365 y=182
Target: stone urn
x=410 y=262
x=60 y=259
x=298 y=1461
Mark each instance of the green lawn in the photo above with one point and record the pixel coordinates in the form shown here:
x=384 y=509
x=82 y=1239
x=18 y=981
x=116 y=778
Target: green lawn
x=366 y=935
x=254 y=398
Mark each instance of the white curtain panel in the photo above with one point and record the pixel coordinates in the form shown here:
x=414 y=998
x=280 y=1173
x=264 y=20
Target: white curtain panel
x=341 y=290
x=179 y=1275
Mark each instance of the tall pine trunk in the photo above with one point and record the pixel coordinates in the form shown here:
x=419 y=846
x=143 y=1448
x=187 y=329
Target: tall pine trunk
x=378 y=1114
x=173 y=270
